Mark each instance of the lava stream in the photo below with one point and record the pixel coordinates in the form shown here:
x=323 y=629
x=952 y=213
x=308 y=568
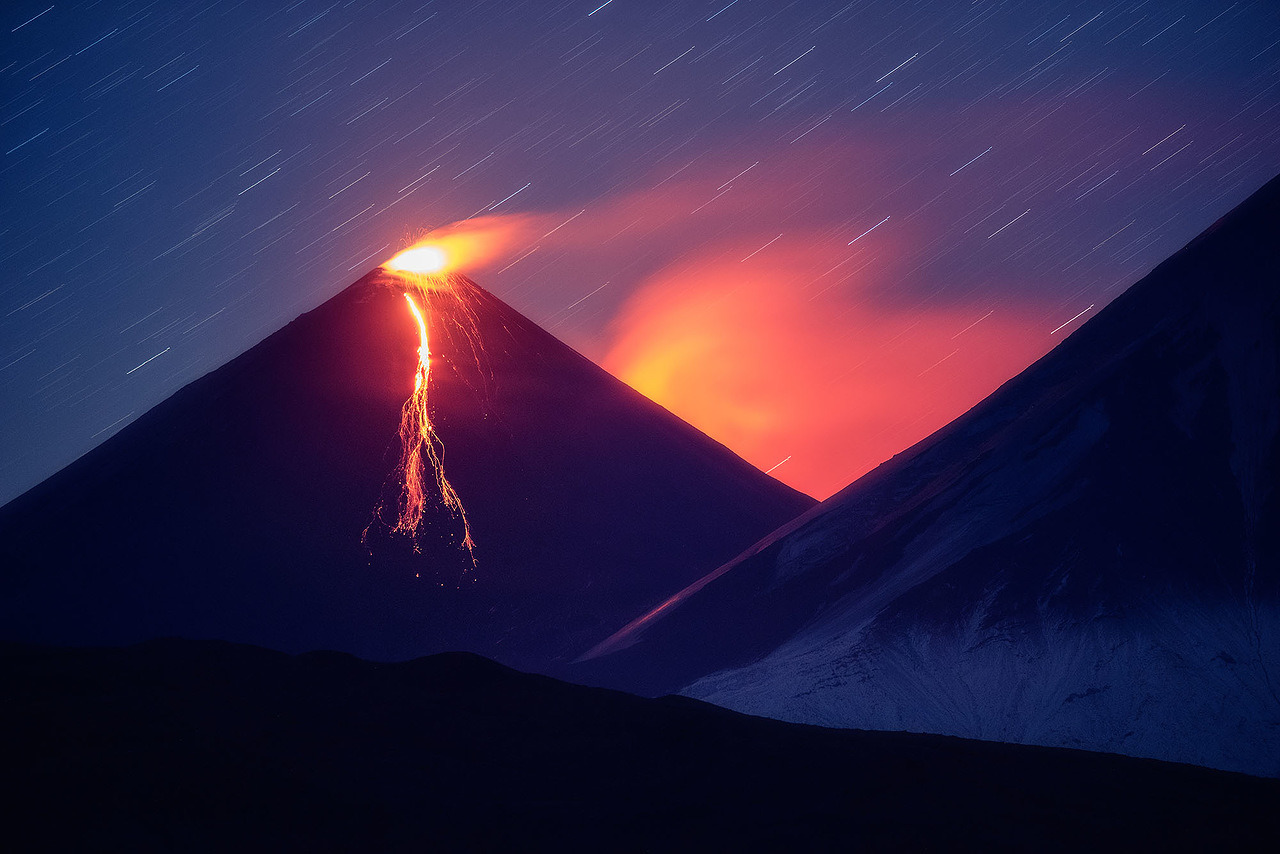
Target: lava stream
x=420 y=447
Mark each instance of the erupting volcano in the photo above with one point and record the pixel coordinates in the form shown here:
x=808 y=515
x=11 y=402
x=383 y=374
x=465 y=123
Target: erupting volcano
x=235 y=509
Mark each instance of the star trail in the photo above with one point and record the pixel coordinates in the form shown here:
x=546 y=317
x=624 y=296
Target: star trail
x=906 y=202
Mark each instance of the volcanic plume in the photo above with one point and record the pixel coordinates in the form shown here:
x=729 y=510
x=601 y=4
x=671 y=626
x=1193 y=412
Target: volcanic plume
x=235 y=509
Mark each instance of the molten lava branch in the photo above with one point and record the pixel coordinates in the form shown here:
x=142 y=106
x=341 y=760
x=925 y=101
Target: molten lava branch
x=421 y=447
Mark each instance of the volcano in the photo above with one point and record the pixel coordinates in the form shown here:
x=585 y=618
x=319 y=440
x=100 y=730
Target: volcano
x=251 y=505
x=1088 y=558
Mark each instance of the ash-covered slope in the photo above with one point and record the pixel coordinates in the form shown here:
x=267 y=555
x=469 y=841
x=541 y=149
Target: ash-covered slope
x=186 y=746
x=235 y=509
x=1088 y=558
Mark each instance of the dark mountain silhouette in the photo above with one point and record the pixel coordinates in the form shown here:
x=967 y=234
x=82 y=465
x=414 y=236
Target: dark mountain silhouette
x=1090 y=557
x=207 y=746
x=234 y=509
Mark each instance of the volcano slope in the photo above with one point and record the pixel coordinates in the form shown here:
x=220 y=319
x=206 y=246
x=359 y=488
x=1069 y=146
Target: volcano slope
x=1088 y=558
x=235 y=509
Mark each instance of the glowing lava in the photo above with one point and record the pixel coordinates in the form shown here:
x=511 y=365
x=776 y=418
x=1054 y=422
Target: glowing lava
x=418 y=442
x=423 y=260
x=420 y=270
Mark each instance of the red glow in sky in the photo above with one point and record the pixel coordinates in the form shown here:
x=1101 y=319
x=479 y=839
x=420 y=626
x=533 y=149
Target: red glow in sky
x=819 y=396
x=804 y=341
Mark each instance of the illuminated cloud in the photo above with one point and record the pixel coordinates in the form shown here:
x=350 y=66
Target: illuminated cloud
x=802 y=337
x=831 y=385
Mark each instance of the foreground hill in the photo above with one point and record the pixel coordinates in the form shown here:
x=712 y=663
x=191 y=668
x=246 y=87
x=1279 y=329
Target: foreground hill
x=200 y=746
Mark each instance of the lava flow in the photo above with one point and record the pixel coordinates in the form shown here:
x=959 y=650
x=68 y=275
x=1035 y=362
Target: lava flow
x=420 y=271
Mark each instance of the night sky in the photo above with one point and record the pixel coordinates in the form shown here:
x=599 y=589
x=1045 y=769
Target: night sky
x=818 y=231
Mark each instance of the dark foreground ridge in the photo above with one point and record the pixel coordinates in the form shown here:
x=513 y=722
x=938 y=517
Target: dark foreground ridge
x=207 y=746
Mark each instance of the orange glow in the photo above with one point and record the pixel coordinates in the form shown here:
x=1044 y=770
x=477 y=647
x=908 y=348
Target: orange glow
x=420 y=259
x=819 y=388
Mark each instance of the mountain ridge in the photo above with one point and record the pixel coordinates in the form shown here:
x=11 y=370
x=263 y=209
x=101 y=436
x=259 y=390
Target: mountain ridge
x=210 y=746
x=1099 y=530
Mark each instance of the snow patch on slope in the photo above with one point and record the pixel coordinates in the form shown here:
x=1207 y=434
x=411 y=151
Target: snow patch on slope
x=1164 y=673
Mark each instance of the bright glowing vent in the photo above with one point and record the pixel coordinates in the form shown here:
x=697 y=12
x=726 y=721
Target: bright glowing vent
x=420 y=259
